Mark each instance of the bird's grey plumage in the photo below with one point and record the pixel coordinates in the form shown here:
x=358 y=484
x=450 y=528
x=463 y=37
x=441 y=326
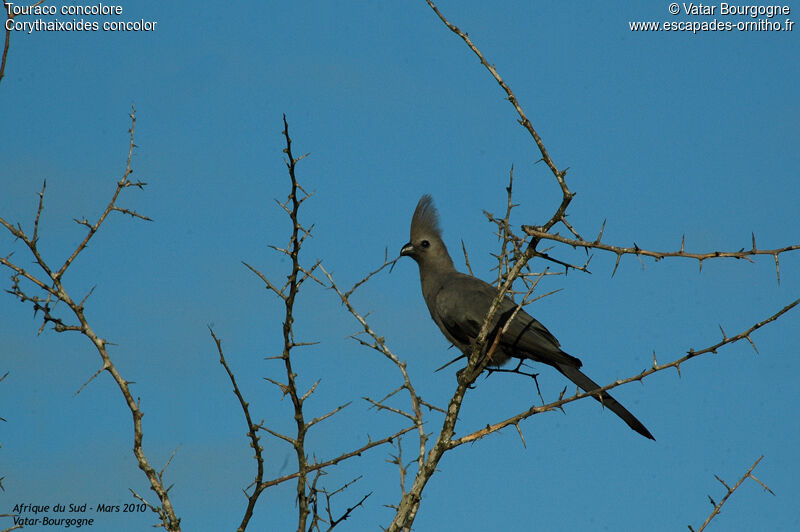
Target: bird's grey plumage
x=459 y=303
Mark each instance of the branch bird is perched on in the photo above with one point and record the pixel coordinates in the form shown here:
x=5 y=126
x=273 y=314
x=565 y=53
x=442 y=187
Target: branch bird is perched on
x=459 y=303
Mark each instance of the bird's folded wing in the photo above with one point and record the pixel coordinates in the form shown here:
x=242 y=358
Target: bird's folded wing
x=462 y=305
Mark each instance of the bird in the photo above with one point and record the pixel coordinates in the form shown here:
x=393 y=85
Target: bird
x=459 y=303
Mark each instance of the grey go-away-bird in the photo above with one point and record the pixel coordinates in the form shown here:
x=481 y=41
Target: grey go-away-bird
x=459 y=303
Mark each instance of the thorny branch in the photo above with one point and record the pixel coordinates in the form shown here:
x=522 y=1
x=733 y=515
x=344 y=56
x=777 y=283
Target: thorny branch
x=298 y=235
x=658 y=255
x=333 y=521
x=252 y=433
x=506 y=236
x=258 y=484
x=567 y=195
x=478 y=359
x=9 y=17
x=479 y=356
x=378 y=343
x=656 y=367
x=509 y=269
x=542 y=232
x=56 y=292
x=308 y=472
x=2 y=419
x=342 y=457
x=481 y=352
x=729 y=492
x=297 y=196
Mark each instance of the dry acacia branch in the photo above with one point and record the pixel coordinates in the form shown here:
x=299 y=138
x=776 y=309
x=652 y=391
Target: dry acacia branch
x=466 y=257
x=410 y=502
x=386 y=262
x=112 y=205
x=267 y=282
x=147 y=503
x=505 y=234
x=729 y=492
x=478 y=359
x=2 y=419
x=560 y=214
x=9 y=17
x=298 y=234
x=308 y=472
x=489 y=429
x=6 y=44
x=409 y=505
x=252 y=433
x=743 y=253
x=328 y=496
x=566 y=194
x=328 y=414
x=379 y=344
x=381 y=406
x=342 y=457
x=397 y=459
x=347 y=512
x=56 y=292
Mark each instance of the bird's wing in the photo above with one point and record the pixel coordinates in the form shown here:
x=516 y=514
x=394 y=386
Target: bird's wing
x=462 y=305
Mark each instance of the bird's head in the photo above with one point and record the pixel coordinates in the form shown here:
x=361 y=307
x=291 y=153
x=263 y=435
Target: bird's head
x=426 y=245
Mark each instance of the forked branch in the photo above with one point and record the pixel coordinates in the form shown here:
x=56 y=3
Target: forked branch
x=54 y=292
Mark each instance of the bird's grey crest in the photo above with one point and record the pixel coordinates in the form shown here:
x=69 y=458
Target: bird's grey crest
x=426 y=219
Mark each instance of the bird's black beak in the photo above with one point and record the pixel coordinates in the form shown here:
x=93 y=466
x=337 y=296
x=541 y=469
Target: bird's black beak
x=407 y=250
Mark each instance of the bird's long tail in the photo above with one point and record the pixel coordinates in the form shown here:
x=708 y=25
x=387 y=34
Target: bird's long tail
x=588 y=385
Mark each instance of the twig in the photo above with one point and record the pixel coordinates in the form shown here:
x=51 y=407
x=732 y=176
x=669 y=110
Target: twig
x=7 y=44
x=718 y=506
x=490 y=428
x=537 y=232
x=567 y=195
x=333 y=461
x=252 y=433
x=56 y=292
x=379 y=345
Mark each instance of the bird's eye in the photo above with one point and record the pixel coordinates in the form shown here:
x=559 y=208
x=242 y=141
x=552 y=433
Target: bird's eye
x=425 y=244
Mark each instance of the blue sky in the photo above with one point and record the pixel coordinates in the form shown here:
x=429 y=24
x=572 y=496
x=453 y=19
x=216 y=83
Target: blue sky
x=664 y=134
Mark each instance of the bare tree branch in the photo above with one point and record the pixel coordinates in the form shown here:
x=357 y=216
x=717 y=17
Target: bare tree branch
x=342 y=457
x=297 y=196
x=9 y=17
x=481 y=352
x=644 y=374
x=56 y=292
x=658 y=255
x=567 y=195
x=252 y=433
x=379 y=345
x=308 y=472
x=730 y=490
